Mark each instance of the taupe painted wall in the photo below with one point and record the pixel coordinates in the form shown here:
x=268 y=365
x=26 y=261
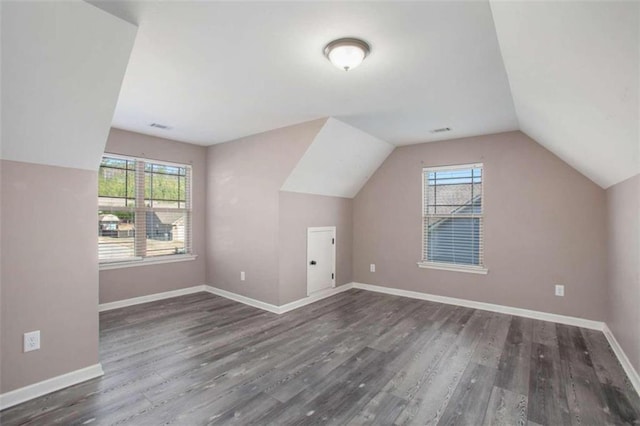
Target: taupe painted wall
x=543 y=226
x=49 y=271
x=243 y=182
x=125 y=283
x=297 y=213
x=623 y=226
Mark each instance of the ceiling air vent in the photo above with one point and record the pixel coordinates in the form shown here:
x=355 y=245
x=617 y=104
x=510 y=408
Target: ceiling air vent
x=441 y=129
x=160 y=126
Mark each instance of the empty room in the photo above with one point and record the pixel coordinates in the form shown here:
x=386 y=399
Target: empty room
x=314 y=212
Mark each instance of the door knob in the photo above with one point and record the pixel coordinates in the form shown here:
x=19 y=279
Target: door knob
x=313 y=262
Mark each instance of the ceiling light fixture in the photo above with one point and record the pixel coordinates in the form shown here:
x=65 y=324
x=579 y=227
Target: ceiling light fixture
x=347 y=53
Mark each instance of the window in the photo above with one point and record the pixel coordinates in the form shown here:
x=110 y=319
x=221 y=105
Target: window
x=452 y=218
x=144 y=210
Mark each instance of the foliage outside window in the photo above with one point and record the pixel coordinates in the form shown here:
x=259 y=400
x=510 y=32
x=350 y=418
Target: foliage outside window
x=144 y=209
x=453 y=216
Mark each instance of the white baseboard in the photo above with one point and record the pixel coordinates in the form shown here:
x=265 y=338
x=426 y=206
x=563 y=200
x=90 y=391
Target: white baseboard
x=226 y=294
x=283 y=308
x=624 y=360
x=14 y=397
x=545 y=316
x=242 y=299
x=314 y=298
x=150 y=298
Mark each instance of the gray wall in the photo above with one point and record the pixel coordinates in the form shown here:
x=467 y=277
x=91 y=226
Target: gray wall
x=623 y=226
x=543 y=226
x=297 y=213
x=125 y=283
x=254 y=206
x=243 y=182
x=48 y=270
x=63 y=67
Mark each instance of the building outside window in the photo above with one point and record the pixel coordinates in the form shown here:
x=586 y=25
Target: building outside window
x=452 y=236
x=144 y=209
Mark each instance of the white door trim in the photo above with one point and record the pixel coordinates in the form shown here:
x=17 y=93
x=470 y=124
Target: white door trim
x=335 y=240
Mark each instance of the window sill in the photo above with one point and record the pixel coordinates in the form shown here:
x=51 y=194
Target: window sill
x=456 y=268
x=147 y=262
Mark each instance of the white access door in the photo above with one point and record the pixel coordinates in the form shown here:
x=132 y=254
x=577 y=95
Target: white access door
x=321 y=258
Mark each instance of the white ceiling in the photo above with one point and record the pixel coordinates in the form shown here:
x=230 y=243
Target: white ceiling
x=338 y=162
x=59 y=90
x=217 y=71
x=574 y=71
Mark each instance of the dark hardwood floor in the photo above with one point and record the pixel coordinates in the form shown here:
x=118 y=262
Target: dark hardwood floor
x=353 y=359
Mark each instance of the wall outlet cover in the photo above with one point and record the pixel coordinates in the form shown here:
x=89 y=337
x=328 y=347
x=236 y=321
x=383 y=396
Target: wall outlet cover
x=559 y=290
x=31 y=341
x=372 y=267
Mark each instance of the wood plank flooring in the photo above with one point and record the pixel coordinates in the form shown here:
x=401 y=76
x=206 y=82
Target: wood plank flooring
x=357 y=358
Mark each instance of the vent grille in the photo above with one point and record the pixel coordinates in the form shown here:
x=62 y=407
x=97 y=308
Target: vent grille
x=160 y=126
x=441 y=129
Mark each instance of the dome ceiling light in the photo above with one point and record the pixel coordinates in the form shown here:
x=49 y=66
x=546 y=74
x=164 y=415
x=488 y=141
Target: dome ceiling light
x=347 y=53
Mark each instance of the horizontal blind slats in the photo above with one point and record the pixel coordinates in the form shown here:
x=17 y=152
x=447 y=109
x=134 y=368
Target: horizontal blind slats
x=151 y=225
x=453 y=216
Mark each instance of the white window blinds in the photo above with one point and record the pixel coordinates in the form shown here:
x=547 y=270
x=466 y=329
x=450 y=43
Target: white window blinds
x=453 y=215
x=144 y=209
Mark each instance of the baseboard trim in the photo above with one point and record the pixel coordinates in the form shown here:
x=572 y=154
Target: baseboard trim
x=149 y=298
x=314 y=298
x=274 y=308
x=242 y=299
x=633 y=375
x=527 y=313
x=15 y=397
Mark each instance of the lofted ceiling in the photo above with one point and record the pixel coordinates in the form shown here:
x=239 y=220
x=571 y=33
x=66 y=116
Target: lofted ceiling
x=574 y=73
x=59 y=90
x=217 y=71
x=338 y=162
x=565 y=73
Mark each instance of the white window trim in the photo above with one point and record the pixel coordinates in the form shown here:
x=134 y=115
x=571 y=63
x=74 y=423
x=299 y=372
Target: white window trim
x=145 y=159
x=105 y=266
x=129 y=262
x=424 y=264
x=454 y=167
x=454 y=267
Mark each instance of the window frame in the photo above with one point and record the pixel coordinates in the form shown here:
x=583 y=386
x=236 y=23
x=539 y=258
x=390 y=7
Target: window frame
x=457 y=267
x=133 y=261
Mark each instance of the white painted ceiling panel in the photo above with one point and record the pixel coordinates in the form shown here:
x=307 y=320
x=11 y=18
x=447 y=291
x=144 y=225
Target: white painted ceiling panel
x=62 y=67
x=218 y=71
x=574 y=73
x=338 y=162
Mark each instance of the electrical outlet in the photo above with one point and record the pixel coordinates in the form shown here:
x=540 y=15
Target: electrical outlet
x=559 y=290
x=31 y=341
x=372 y=267
x=242 y=276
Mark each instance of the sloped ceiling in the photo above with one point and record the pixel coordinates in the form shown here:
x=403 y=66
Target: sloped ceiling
x=564 y=72
x=573 y=68
x=218 y=71
x=62 y=67
x=338 y=162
